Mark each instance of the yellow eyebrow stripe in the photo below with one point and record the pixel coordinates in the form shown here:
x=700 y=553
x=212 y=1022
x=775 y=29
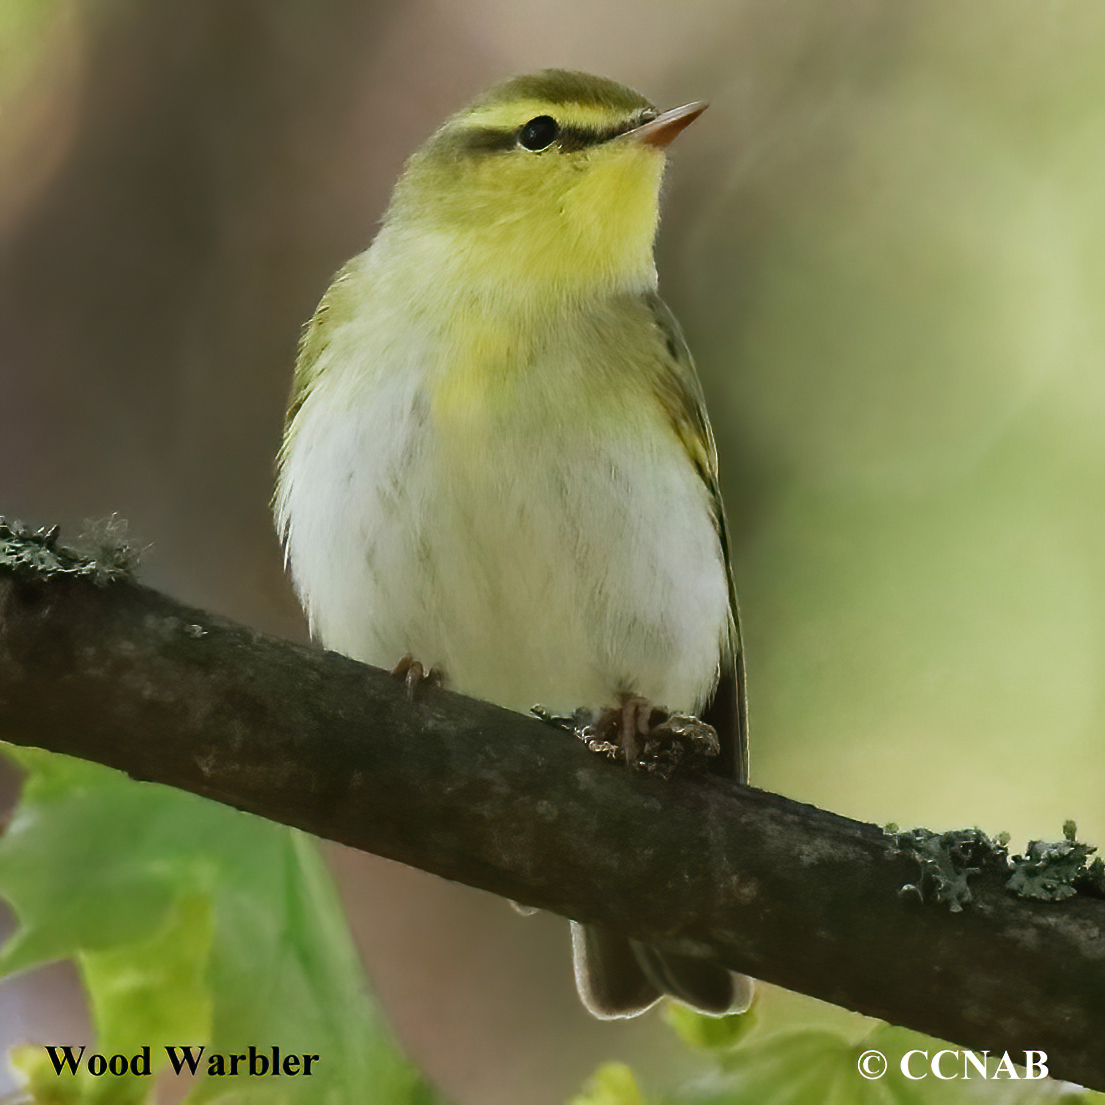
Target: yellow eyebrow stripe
x=509 y=116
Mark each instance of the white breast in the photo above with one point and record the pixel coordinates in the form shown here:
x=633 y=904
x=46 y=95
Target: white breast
x=544 y=557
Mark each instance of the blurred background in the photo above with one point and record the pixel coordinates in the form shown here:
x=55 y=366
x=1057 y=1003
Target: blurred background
x=886 y=243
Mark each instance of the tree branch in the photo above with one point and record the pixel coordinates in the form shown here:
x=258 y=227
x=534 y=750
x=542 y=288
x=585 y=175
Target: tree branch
x=788 y=893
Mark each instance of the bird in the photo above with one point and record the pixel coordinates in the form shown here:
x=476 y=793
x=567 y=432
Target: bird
x=497 y=459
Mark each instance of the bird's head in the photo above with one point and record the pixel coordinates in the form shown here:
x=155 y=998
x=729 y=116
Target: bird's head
x=549 y=182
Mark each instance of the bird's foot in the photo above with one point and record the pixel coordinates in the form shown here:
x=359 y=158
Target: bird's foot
x=679 y=740
x=414 y=674
x=647 y=738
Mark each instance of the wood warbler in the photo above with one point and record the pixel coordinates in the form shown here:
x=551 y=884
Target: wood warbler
x=497 y=458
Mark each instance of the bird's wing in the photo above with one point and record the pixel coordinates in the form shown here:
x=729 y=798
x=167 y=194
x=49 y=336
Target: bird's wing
x=331 y=312
x=680 y=395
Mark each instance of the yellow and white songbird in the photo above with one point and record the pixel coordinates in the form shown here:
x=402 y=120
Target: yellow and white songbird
x=497 y=458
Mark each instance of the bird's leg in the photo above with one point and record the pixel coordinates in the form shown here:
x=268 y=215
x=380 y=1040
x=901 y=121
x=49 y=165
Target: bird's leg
x=414 y=674
x=644 y=736
x=634 y=720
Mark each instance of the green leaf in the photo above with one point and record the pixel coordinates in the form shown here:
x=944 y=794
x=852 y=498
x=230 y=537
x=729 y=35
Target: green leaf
x=707 y=1033
x=191 y=924
x=804 y=1067
x=611 y=1084
x=814 y=1066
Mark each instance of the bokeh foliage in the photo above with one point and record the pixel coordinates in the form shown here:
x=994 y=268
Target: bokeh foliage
x=884 y=241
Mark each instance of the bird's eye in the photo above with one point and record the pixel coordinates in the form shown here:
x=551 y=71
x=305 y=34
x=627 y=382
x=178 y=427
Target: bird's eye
x=539 y=133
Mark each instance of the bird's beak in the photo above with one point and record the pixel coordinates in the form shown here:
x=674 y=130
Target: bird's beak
x=661 y=130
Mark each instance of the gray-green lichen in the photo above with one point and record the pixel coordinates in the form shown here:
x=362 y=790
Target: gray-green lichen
x=1052 y=871
x=1049 y=871
x=947 y=860
x=101 y=554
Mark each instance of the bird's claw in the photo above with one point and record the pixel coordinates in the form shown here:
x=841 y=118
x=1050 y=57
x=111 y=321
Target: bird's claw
x=646 y=738
x=680 y=740
x=414 y=674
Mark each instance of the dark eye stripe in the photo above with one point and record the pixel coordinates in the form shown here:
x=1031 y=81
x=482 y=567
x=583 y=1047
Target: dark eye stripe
x=571 y=139
x=488 y=140
x=579 y=138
